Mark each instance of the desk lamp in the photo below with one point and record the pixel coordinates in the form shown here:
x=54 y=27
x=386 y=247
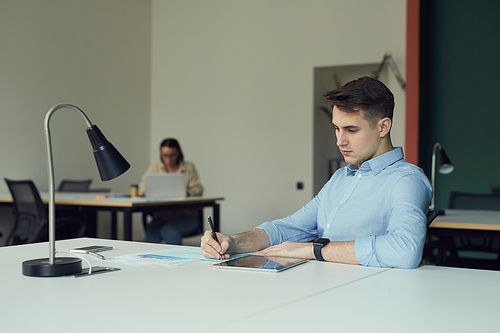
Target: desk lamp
x=110 y=163
x=445 y=167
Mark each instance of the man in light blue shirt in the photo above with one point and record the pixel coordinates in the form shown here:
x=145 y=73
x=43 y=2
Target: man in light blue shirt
x=372 y=212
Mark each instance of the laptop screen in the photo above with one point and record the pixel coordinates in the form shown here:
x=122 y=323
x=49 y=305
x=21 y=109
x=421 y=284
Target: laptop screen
x=165 y=185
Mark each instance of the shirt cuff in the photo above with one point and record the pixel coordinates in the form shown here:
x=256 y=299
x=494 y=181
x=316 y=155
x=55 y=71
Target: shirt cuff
x=364 y=249
x=271 y=232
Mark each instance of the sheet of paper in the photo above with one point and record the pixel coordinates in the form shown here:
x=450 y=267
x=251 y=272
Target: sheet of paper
x=173 y=257
x=146 y=259
x=190 y=253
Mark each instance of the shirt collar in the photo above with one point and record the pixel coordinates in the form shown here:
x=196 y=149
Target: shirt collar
x=378 y=163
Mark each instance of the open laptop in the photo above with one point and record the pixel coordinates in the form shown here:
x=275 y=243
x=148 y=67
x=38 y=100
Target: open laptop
x=160 y=185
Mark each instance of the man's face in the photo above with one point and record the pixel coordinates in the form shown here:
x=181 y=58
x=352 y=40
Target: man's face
x=356 y=139
x=169 y=156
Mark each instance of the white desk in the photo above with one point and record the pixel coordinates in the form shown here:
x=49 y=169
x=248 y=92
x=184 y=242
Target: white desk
x=469 y=223
x=199 y=298
x=90 y=204
x=428 y=299
x=467 y=219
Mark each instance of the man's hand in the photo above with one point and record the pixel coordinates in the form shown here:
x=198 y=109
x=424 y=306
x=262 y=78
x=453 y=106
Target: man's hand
x=342 y=252
x=215 y=249
x=290 y=250
x=249 y=241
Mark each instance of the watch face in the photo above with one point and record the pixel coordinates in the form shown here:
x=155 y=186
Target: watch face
x=322 y=241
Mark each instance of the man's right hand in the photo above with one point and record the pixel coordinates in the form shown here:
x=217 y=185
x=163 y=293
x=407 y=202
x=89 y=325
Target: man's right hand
x=250 y=241
x=215 y=249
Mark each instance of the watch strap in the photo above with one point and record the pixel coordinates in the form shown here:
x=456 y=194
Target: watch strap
x=318 y=244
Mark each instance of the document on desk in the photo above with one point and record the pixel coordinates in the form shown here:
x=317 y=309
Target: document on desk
x=146 y=259
x=190 y=253
x=172 y=257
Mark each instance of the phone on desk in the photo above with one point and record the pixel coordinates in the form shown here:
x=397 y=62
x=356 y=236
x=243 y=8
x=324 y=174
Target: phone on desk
x=93 y=248
x=96 y=270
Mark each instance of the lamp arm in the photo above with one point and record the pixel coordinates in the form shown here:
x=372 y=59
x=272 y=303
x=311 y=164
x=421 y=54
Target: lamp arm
x=389 y=61
x=433 y=171
x=50 y=171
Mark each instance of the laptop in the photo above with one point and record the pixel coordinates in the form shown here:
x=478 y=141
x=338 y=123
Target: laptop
x=160 y=185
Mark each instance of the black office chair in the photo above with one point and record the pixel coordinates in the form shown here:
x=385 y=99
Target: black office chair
x=472 y=252
x=433 y=246
x=30 y=217
x=67 y=185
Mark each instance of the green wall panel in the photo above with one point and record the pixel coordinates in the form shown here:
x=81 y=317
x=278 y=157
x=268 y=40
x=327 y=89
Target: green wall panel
x=460 y=93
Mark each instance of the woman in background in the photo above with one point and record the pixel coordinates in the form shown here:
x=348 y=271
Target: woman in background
x=172 y=225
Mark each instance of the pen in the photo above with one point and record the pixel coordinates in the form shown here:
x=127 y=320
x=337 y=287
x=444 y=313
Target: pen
x=97 y=255
x=213 y=232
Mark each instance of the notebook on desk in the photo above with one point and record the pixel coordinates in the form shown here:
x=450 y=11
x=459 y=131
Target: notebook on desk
x=160 y=185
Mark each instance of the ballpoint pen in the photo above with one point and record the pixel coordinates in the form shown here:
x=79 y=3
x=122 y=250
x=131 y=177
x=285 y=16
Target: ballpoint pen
x=213 y=233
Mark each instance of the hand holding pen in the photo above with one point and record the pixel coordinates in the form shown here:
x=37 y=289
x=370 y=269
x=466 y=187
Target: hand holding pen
x=214 y=235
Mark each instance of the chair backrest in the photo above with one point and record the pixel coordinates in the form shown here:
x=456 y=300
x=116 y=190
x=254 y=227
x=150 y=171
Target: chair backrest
x=431 y=215
x=30 y=214
x=460 y=200
x=67 y=185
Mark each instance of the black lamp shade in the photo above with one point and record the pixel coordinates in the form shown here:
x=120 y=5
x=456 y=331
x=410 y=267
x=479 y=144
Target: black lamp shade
x=445 y=165
x=109 y=161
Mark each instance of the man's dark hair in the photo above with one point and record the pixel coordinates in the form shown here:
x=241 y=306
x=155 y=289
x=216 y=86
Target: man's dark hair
x=366 y=94
x=172 y=143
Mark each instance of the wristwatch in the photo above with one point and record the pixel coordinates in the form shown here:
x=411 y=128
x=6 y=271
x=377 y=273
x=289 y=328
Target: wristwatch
x=318 y=244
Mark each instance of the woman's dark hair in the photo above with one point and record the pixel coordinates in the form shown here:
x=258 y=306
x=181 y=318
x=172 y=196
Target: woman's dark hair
x=366 y=94
x=172 y=143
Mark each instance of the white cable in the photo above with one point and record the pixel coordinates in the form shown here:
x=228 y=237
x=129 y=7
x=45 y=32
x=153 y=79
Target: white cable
x=79 y=256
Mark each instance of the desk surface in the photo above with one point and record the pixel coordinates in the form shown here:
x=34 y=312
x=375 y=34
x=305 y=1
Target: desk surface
x=468 y=219
x=87 y=199
x=129 y=205
x=198 y=298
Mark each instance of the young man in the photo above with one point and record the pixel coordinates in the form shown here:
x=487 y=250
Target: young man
x=372 y=212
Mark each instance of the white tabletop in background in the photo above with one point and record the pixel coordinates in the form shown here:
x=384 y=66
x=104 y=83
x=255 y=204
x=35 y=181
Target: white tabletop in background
x=470 y=216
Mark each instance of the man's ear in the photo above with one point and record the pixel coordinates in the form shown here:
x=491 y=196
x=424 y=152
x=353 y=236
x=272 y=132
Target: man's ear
x=384 y=126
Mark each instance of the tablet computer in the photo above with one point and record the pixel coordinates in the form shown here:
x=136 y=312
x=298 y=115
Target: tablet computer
x=261 y=263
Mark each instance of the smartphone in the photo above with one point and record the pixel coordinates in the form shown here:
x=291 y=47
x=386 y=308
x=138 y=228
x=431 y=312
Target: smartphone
x=96 y=270
x=94 y=248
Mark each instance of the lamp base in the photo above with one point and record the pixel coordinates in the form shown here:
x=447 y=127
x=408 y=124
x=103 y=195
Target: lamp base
x=61 y=267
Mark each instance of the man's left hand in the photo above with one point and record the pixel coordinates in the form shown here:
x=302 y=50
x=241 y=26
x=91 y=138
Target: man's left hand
x=290 y=250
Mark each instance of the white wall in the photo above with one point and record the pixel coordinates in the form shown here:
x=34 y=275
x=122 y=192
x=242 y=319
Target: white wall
x=233 y=81
x=94 y=54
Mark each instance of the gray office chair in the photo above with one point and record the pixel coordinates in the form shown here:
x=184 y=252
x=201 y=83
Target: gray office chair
x=30 y=223
x=473 y=252
x=67 y=185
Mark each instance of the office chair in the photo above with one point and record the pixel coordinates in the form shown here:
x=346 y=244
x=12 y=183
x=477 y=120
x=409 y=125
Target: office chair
x=30 y=217
x=67 y=185
x=462 y=248
x=432 y=245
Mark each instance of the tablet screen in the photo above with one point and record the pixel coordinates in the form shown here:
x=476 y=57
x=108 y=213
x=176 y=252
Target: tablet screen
x=254 y=262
